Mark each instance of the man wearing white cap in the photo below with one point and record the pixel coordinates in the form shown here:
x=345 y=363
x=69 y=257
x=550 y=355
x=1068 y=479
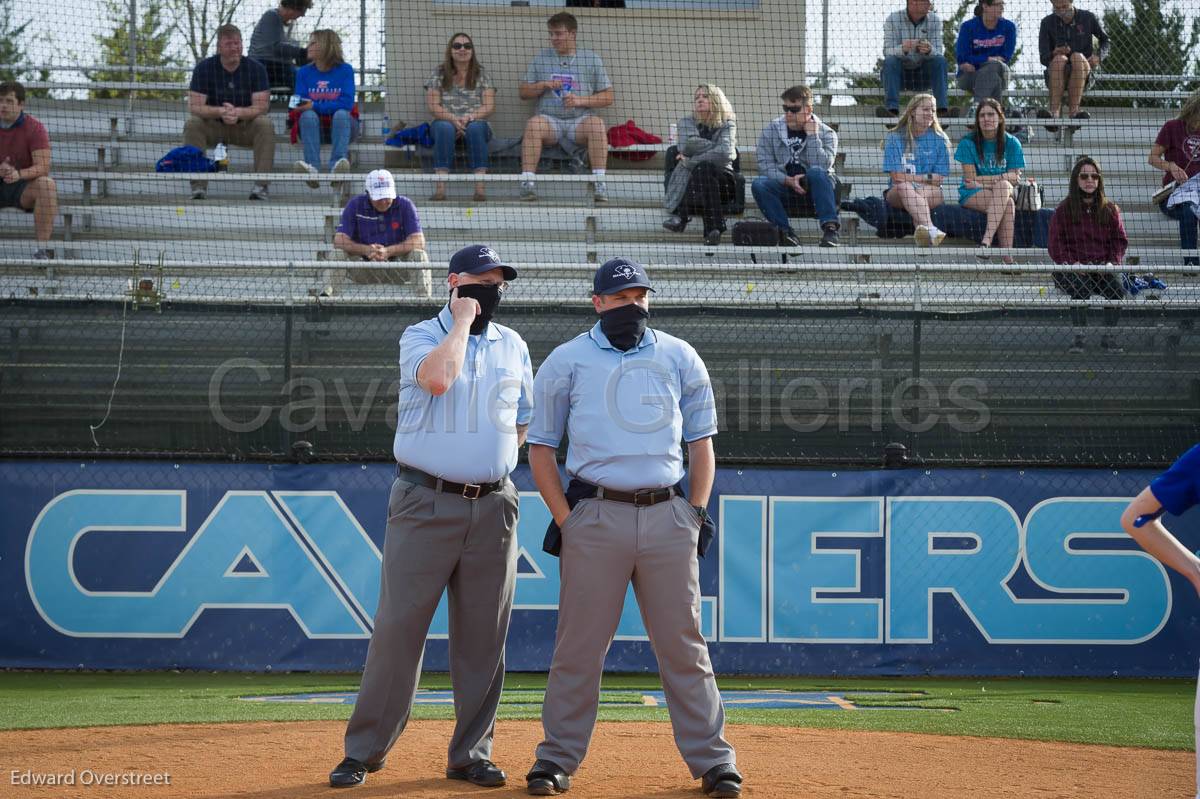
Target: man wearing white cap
x=380 y=226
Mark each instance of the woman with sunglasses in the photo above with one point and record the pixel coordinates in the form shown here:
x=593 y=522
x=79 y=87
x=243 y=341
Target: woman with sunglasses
x=916 y=156
x=1087 y=229
x=700 y=170
x=461 y=96
x=992 y=160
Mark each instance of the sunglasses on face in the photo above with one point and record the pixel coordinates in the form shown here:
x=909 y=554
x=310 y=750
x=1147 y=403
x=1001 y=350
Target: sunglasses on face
x=794 y=109
x=462 y=46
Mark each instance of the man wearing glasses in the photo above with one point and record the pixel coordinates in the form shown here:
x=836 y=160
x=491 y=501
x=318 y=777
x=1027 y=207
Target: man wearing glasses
x=464 y=407
x=795 y=165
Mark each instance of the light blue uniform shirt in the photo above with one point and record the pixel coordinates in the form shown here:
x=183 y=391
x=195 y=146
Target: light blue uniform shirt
x=469 y=434
x=624 y=412
x=930 y=153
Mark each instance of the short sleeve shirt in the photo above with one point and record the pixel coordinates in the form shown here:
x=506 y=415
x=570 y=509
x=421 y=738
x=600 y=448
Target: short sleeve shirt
x=220 y=86
x=582 y=73
x=1179 y=147
x=624 y=413
x=1178 y=488
x=18 y=143
x=459 y=100
x=469 y=433
x=989 y=164
x=364 y=225
x=928 y=153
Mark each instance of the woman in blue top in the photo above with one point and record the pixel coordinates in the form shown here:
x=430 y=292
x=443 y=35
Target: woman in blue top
x=992 y=161
x=916 y=156
x=326 y=92
x=984 y=49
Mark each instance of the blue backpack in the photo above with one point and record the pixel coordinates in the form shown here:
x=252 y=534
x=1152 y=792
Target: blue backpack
x=420 y=135
x=185 y=159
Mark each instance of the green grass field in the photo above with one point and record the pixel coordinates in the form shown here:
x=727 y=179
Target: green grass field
x=1151 y=713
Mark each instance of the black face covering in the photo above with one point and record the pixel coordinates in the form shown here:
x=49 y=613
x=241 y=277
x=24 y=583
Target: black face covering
x=488 y=298
x=624 y=326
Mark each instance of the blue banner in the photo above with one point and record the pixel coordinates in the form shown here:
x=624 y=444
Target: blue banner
x=150 y=565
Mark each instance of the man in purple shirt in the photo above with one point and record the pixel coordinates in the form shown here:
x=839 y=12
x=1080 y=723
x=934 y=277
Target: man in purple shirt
x=380 y=226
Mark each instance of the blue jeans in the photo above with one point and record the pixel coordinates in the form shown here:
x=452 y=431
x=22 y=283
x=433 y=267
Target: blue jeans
x=341 y=129
x=931 y=75
x=775 y=200
x=1186 y=217
x=444 y=136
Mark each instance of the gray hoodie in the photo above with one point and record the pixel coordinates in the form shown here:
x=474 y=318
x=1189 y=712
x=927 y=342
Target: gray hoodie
x=773 y=153
x=720 y=151
x=899 y=27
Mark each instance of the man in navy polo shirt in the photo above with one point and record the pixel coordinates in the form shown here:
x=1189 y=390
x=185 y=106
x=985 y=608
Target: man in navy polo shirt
x=378 y=225
x=228 y=99
x=625 y=395
x=464 y=406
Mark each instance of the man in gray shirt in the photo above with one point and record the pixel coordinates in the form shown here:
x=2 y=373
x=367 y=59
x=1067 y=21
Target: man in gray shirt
x=272 y=45
x=913 y=56
x=567 y=83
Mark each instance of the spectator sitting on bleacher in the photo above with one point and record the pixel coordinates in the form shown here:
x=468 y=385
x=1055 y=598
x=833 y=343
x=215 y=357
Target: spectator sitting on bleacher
x=912 y=56
x=25 y=180
x=1176 y=152
x=795 y=157
x=1066 y=49
x=380 y=226
x=325 y=88
x=461 y=96
x=984 y=49
x=1087 y=229
x=992 y=160
x=567 y=83
x=272 y=45
x=228 y=99
x=916 y=156
x=702 y=164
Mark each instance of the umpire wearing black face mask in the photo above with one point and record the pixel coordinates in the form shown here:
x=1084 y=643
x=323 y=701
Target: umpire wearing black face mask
x=476 y=272
x=620 y=294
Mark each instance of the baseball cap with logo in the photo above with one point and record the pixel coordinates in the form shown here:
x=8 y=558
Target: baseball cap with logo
x=477 y=258
x=380 y=185
x=618 y=274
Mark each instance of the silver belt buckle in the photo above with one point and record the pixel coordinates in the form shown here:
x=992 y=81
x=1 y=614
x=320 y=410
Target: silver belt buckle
x=472 y=490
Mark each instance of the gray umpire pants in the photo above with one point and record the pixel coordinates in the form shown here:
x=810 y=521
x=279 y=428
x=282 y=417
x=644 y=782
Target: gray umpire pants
x=989 y=80
x=605 y=544
x=435 y=541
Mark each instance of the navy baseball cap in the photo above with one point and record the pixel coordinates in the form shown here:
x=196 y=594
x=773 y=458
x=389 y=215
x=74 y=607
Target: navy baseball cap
x=618 y=274
x=476 y=258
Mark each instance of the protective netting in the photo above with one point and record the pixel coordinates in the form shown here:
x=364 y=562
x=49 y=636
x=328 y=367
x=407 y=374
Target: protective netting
x=194 y=320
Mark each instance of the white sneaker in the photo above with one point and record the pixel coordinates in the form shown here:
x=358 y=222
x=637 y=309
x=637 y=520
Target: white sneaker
x=260 y=193
x=600 y=194
x=305 y=168
x=936 y=236
x=341 y=167
x=922 y=236
x=528 y=192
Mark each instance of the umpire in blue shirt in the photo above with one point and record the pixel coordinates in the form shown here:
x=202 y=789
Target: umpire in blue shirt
x=626 y=395
x=463 y=411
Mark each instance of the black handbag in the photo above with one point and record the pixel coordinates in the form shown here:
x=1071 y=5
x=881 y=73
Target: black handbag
x=755 y=233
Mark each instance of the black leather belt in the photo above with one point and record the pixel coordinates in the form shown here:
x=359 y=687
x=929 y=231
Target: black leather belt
x=643 y=498
x=467 y=490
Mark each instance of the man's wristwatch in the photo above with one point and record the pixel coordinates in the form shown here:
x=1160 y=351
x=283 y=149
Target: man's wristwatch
x=701 y=511
x=929 y=177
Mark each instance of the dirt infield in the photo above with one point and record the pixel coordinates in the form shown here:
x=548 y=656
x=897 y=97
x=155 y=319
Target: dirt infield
x=287 y=761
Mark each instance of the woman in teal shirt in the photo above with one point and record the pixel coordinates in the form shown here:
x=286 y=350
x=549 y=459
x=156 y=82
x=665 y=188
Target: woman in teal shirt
x=989 y=174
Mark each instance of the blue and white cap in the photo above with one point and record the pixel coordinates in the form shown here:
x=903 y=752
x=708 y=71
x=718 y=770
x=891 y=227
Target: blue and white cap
x=619 y=274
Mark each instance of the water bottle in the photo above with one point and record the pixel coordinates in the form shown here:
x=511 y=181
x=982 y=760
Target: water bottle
x=221 y=156
x=673 y=134
x=386 y=130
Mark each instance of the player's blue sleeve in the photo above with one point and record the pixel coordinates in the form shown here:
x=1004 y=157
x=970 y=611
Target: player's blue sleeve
x=416 y=343
x=893 y=153
x=697 y=405
x=1178 y=488
x=552 y=401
